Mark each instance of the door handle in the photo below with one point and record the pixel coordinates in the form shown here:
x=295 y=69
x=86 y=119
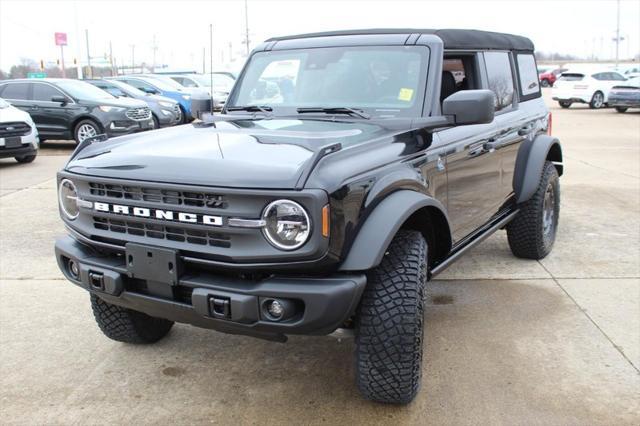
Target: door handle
x=524 y=131
x=490 y=145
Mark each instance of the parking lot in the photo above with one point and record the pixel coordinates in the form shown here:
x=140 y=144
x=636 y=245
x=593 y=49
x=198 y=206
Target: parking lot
x=508 y=341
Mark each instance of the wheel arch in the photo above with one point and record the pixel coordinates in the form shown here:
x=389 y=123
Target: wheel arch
x=404 y=209
x=532 y=155
x=78 y=119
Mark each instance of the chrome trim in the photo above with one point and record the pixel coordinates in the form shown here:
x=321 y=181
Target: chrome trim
x=247 y=223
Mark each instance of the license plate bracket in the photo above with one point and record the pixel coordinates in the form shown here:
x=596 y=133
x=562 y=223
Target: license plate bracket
x=153 y=263
x=13 y=142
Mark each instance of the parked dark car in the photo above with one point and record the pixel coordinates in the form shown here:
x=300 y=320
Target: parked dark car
x=73 y=109
x=625 y=95
x=165 y=111
x=325 y=203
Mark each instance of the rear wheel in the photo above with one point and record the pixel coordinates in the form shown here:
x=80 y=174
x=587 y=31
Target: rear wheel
x=125 y=325
x=156 y=122
x=597 y=100
x=533 y=231
x=25 y=158
x=85 y=129
x=545 y=83
x=565 y=104
x=621 y=109
x=389 y=323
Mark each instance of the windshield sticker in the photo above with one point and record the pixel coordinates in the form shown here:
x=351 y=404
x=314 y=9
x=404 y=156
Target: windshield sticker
x=405 y=94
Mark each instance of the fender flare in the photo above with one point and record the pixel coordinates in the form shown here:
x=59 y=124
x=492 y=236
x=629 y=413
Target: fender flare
x=381 y=226
x=532 y=155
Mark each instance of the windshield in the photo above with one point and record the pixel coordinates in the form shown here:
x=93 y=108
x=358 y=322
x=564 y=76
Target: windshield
x=83 y=91
x=4 y=104
x=384 y=81
x=220 y=82
x=125 y=89
x=164 y=83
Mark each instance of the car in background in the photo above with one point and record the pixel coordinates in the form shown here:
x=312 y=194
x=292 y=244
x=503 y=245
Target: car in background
x=18 y=134
x=549 y=77
x=630 y=71
x=585 y=86
x=231 y=75
x=164 y=111
x=64 y=108
x=625 y=95
x=222 y=84
x=165 y=86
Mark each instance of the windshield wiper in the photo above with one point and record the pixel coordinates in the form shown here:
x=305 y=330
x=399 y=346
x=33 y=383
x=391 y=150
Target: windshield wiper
x=252 y=108
x=335 y=110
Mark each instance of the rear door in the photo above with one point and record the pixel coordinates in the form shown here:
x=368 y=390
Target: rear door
x=473 y=171
x=17 y=93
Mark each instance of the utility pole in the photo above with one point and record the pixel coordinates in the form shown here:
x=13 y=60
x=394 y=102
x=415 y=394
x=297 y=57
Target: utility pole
x=246 y=26
x=86 y=34
x=111 y=58
x=211 y=64
x=204 y=60
x=78 y=48
x=133 y=62
x=230 y=52
x=64 y=74
x=618 y=34
x=154 y=46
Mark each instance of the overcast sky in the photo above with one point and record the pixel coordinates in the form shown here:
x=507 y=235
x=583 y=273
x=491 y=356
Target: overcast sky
x=181 y=28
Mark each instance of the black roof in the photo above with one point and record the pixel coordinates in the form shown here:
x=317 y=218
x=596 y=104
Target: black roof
x=452 y=38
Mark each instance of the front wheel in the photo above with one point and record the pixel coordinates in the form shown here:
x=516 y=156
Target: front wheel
x=565 y=104
x=621 y=109
x=389 y=323
x=533 y=231
x=597 y=101
x=85 y=129
x=125 y=325
x=545 y=83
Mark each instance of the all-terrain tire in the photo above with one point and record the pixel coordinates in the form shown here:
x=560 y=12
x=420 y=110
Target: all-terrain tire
x=533 y=231
x=389 y=323
x=125 y=325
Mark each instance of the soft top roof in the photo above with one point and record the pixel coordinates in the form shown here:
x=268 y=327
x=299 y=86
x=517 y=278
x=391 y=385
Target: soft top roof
x=452 y=38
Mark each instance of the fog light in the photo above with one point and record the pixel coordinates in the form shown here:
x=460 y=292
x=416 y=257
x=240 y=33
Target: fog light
x=74 y=270
x=275 y=309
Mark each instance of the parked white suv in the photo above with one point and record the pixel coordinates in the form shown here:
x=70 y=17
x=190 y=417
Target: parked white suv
x=18 y=134
x=589 y=87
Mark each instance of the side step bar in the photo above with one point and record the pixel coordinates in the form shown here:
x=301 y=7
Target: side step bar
x=474 y=241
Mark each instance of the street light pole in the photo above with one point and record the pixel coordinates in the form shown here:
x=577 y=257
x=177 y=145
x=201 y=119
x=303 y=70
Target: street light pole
x=133 y=62
x=246 y=26
x=86 y=33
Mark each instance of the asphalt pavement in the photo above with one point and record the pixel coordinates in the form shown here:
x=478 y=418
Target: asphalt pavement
x=508 y=341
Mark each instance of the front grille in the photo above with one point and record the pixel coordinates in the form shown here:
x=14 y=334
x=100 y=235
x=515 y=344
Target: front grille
x=139 y=114
x=162 y=232
x=17 y=128
x=156 y=195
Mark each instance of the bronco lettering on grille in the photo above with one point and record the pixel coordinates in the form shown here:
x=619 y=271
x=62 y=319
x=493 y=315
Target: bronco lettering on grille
x=202 y=219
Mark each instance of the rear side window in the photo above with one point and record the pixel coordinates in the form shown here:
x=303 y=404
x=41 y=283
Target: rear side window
x=500 y=78
x=43 y=92
x=527 y=76
x=571 y=76
x=16 y=91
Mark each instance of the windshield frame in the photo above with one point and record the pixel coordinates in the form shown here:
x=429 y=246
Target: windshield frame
x=415 y=110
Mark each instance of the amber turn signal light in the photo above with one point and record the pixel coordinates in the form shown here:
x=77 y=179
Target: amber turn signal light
x=325 y=221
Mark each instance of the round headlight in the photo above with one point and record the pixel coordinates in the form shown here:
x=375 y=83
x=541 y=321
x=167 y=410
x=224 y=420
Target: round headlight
x=67 y=197
x=287 y=224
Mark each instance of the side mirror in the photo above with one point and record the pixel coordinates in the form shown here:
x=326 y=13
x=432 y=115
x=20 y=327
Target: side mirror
x=200 y=106
x=150 y=91
x=59 y=99
x=470 y=107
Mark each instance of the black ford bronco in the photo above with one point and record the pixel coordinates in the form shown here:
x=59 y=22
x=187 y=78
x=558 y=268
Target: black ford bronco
x=345 y=171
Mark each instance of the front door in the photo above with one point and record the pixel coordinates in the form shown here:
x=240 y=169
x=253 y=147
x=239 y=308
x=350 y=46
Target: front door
x=53 y=118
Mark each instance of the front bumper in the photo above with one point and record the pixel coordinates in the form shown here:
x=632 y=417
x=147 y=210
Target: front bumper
x=124 y=127
x=321 y=304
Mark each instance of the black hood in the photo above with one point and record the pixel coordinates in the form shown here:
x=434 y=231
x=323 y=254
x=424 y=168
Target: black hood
x=242 y=154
